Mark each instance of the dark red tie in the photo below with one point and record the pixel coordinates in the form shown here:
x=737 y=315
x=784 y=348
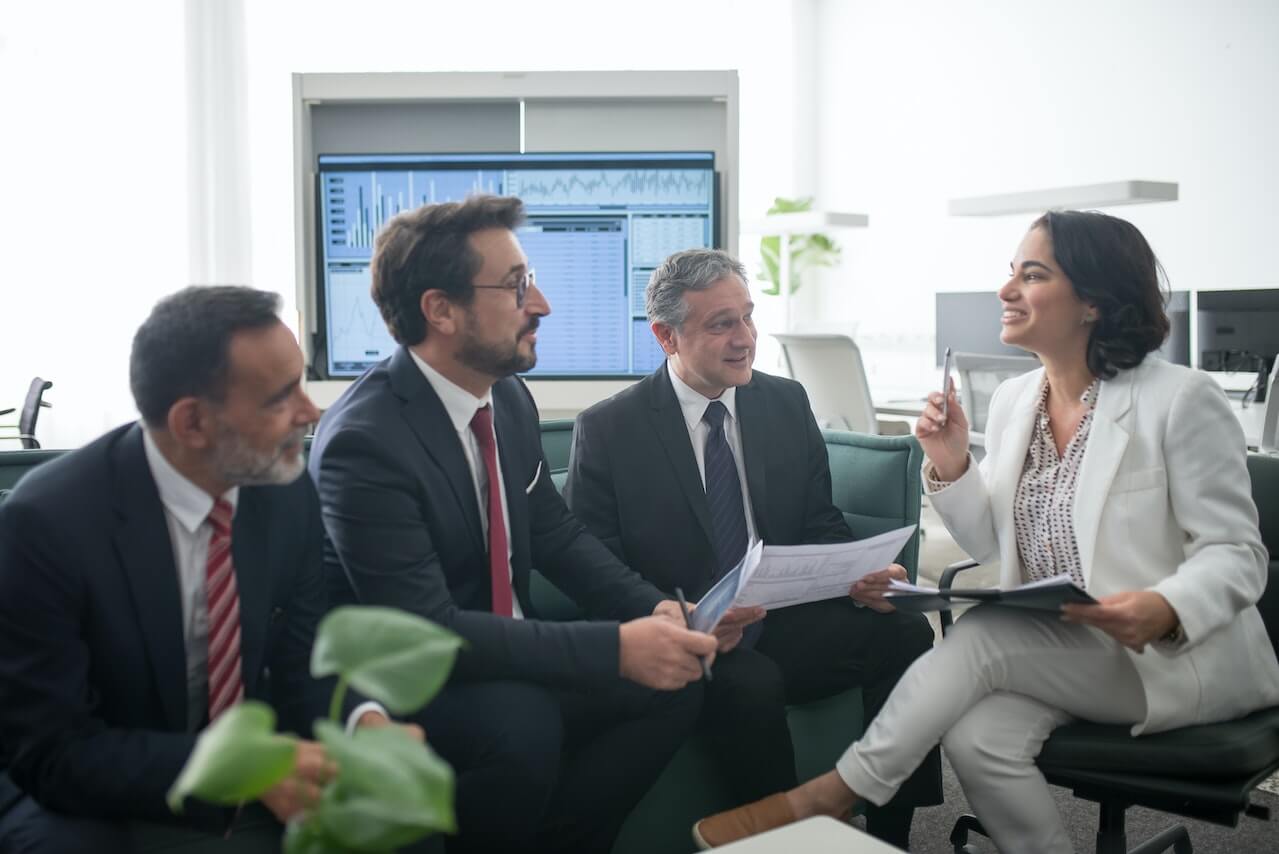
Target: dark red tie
x=226 y=687
x=499 y=566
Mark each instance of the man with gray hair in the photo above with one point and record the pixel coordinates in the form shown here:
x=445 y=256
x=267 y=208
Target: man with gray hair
x=679 y=473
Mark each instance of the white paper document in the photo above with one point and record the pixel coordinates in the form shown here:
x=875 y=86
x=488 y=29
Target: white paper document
x=795 y=575
x=723 y=594
x=779 y=576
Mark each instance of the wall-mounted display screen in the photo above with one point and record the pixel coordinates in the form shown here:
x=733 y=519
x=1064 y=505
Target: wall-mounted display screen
x=598 y=224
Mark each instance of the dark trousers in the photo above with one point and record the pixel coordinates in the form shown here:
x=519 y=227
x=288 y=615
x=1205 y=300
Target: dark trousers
x=543 y=769
x=806 y=653
x=28 y=828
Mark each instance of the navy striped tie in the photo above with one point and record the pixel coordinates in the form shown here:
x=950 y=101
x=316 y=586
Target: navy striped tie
x=723 y=493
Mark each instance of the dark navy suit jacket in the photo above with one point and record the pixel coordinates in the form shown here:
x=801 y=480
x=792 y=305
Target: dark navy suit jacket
x=633 y=478
x=93 y=696
x=404 y=530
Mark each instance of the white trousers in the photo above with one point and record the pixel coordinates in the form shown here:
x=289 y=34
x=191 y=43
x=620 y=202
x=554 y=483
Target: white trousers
x=991 y=692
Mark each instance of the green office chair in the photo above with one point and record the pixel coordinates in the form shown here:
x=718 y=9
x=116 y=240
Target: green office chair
x=557 y=442
x=1205 y=772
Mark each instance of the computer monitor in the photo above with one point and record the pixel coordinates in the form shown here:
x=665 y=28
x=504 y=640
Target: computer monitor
x=1239 y=332
x=598 y=225
x=1237 y=329
x=968 y=322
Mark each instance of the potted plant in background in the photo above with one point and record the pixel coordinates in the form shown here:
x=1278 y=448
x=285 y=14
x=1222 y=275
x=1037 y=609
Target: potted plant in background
x=391 y=790
x=807 y=251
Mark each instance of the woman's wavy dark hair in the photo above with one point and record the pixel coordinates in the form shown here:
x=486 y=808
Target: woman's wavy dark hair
x=1113 y=268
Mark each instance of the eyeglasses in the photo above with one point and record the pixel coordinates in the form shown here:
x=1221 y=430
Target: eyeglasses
x=520 y=284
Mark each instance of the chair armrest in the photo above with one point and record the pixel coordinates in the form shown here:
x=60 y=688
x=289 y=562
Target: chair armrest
x=948 y=581
x=949 y=573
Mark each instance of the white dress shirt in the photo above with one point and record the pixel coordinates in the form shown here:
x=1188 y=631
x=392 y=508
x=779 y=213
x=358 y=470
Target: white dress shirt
x=186 y=511
x=461 y=406
x=693 y=404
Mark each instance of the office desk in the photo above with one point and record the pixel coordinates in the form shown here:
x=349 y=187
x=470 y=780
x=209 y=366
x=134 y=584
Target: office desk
x=1250 y=419
x=819 y=835
x=909 y=408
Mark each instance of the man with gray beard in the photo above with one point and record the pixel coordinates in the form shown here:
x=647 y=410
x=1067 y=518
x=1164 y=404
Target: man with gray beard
x=148 y=582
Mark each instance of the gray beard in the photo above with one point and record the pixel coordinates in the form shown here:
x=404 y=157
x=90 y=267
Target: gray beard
x=237 y=463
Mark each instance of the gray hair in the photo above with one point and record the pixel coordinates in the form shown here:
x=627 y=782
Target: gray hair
x=690 y=270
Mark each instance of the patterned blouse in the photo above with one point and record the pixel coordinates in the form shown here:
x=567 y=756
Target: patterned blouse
x=1042 y=509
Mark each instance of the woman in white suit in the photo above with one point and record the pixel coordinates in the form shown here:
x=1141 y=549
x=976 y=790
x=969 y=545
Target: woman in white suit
x=1111 y=465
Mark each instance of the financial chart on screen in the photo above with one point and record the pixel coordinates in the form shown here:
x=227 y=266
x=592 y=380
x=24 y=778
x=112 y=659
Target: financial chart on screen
x=598 y=225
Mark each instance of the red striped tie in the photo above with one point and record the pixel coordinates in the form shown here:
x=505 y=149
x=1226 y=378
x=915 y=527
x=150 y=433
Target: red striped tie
x=226 y=688
x=499 y=564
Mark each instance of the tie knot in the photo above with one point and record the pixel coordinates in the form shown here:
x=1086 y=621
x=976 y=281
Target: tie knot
x=482 y=423
x=715 y=414
x=220 y=516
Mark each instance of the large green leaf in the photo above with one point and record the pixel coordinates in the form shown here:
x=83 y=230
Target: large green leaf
x=387 y=655
x=391 y=789
x=236 y=759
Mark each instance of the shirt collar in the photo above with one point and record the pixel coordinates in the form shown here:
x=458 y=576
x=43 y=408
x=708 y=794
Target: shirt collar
x=693 y=403
x=459 y=403
x=188 y=503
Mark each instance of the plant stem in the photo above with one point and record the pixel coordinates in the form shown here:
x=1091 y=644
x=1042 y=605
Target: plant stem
x=339 y=694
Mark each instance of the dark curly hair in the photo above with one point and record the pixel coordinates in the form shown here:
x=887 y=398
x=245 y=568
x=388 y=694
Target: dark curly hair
x=1112 y=267
x=427 y=249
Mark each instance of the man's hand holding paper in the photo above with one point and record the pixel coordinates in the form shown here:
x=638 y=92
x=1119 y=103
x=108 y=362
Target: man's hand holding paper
x=870 y=590
x=731 y=625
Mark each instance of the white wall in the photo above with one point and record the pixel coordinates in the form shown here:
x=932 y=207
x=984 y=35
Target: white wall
x=883 y=108
x=94 y=225
x=93 y=220
x=926 y=101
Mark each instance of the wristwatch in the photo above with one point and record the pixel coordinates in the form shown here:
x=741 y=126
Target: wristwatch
x=1176 y=636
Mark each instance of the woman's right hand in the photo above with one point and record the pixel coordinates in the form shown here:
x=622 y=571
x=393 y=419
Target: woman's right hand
x=944 y=439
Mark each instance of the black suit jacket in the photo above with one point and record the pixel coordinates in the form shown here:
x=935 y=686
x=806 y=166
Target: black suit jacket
x=404 y=530
x=93 y=696
x=633 y=479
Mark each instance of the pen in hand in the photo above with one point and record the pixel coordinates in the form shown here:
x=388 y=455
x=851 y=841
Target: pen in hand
x=683 y=607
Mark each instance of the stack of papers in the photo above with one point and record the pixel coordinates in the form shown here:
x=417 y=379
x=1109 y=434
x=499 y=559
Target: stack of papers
x=1048 y=594
x=780 y=576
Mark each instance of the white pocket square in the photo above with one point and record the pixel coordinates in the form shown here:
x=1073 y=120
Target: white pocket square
x=532 y=483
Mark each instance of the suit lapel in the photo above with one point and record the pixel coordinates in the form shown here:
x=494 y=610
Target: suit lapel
x=668 y=422
x=251 y=558
x=430 y=422
x=1107 y=441
x=751 y=415
x=1013 y=443
x=145 y=553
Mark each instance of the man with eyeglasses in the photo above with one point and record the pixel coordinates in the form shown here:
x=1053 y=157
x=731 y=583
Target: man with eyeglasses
x=437 y=500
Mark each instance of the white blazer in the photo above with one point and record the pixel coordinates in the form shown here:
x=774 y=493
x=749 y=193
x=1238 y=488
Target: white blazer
x=1163 y=502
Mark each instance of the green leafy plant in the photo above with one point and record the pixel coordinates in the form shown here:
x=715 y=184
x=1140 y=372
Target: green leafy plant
x=390 y=790
x=807 y=251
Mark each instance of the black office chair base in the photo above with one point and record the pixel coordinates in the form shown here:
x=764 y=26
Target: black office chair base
x=1111 y=837
x=959 y=834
